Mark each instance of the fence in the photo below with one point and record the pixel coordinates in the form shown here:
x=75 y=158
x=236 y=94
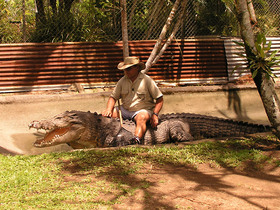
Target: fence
x=89 y=20
x=25 y=67
x=236 y=64
x=30 y=66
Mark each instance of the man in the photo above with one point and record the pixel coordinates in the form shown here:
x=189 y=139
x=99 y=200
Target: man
x=141 y=98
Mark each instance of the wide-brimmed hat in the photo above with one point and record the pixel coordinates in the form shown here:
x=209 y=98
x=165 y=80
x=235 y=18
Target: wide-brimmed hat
x=131 y=61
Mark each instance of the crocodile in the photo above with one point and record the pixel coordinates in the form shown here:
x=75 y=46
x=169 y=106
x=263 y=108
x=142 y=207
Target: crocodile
x=88 y=130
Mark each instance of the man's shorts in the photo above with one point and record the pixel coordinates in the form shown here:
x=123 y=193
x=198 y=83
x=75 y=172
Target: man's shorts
x=127 y=115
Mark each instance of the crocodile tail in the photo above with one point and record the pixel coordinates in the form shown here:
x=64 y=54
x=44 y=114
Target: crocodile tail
x=203 y=126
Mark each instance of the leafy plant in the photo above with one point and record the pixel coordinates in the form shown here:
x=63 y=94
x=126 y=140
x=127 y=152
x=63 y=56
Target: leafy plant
x=263 y=59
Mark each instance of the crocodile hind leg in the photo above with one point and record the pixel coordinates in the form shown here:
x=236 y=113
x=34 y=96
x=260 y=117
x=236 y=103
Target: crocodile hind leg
x=123 y=138
x=179 y=131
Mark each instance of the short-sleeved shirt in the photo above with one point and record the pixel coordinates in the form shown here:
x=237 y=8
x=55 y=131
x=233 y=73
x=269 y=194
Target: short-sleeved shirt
x=140 y=94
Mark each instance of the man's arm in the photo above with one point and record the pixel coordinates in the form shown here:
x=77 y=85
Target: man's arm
x=154 y=118
x=108 y=112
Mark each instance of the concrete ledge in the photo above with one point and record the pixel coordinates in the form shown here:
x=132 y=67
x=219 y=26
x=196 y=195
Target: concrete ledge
x=206 y=88
x=37 y=97
x=30 y=98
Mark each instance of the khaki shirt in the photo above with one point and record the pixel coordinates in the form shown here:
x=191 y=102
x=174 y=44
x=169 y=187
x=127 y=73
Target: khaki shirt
x=137 y=95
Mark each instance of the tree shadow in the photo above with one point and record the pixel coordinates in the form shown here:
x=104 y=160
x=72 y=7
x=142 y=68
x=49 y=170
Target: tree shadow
x=5 y=151
x=235 y=104
x=115 y=170
x=23 y=144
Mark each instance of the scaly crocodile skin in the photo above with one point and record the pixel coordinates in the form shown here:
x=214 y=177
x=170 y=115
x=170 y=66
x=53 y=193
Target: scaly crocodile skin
x=86 y=130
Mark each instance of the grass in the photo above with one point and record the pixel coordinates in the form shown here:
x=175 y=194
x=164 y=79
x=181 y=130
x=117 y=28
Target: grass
x=98 y=179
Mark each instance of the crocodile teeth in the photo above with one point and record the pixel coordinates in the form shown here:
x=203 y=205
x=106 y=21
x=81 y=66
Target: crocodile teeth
x=56 y=137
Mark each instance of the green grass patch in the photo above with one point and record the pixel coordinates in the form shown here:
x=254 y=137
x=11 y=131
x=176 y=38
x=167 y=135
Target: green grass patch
x=97 y=179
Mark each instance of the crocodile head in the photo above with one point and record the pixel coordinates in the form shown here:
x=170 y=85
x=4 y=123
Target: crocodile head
x=67 y=127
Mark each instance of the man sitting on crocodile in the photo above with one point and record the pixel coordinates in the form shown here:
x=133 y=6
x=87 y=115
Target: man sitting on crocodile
x=141 y=98
x=87 y=130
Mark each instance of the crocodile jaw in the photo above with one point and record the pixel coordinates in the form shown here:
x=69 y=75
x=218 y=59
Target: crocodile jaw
x=54 y=137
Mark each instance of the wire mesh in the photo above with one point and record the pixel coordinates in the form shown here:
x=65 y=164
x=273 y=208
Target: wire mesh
x=268 y=17
x=100 y=20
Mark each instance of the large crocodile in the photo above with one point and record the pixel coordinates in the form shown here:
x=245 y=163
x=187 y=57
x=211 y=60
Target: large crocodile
x=85 y=129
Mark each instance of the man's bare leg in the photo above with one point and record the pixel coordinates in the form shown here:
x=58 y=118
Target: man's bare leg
x=115 y=113
x=141 y=119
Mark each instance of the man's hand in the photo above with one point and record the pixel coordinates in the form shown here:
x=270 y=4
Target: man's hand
x=154 y=120
x=107 y=113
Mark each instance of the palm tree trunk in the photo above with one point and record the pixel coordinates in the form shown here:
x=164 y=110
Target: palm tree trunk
x=161 y=36
x=171 y=37
x=270 y=100
x=264 y=83
x=124 y=29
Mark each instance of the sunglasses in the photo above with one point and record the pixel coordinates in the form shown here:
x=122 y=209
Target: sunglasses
x=130 y=68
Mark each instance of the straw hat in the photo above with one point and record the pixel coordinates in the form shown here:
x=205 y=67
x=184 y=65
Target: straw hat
x=131 y=61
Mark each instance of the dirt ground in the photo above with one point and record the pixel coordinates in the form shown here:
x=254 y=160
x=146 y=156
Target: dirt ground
x=205 y=186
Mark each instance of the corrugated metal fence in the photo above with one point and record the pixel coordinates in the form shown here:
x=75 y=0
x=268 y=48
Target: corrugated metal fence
x=30 y=66
x=234 y=60
x=55 y=65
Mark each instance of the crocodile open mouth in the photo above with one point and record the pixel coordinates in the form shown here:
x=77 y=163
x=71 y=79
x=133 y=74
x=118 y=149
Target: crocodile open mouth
x=51 y=137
